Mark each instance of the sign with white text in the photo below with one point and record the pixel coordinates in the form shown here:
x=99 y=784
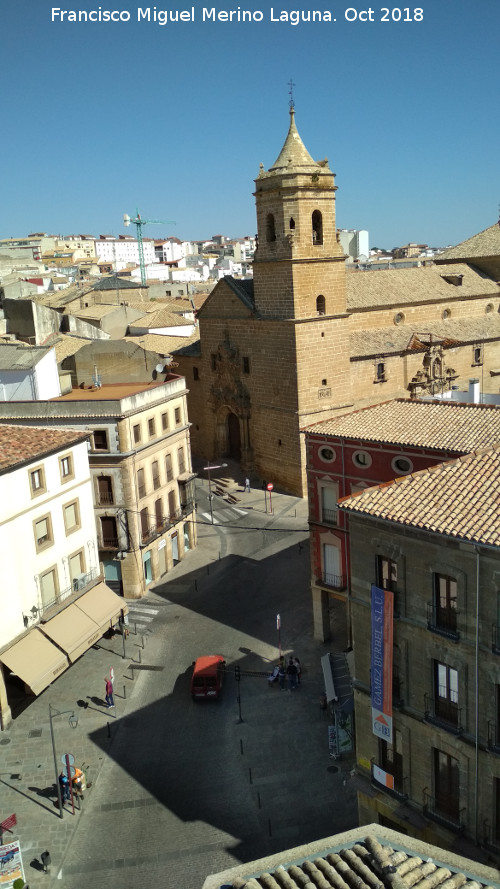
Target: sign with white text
x=381 y=663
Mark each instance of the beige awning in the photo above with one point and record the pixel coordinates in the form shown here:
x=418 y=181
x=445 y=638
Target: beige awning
x=102 y=605
x=35 y=660
x=73 y=631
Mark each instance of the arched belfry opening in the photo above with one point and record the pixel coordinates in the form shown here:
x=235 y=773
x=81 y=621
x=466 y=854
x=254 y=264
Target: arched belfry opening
x=292 y=223
x=233 y=436
x=317 y=227
x=270 y=228
x=321 y=304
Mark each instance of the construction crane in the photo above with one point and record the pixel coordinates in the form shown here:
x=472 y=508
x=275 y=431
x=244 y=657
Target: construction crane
x=138 y=221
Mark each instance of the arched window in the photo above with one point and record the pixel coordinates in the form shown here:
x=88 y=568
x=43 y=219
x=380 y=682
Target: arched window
x=320 y=304
x=292 y=223
x=317 y=227
x=270 y=228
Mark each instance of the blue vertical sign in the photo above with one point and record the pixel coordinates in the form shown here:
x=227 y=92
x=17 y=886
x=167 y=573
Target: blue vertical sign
x=381 y=662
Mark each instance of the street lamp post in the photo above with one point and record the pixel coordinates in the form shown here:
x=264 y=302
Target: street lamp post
x=73 y=721
x=209 y=469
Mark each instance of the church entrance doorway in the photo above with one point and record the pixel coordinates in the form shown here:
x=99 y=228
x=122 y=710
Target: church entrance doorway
x=233 y=436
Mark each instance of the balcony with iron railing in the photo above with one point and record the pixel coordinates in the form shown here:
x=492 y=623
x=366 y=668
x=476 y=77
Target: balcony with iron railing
x=333 y=581
x=108 y=541
x=443 y=621
x=401 y=785
x=79 y=585
x=105 y=498
x=329 y=516
x=444 y=810
x=444 y=713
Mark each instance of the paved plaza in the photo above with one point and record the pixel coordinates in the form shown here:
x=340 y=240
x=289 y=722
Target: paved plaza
x=180 y=789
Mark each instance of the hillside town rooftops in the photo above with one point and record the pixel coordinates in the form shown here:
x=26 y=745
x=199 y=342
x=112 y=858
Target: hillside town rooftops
x=26 y=444
x=433 y=425
x=459 y=499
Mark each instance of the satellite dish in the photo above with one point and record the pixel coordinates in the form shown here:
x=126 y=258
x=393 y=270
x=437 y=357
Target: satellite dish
x=159 y=368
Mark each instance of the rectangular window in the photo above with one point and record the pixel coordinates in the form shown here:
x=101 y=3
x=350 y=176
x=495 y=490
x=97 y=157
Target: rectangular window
x=159 y=514
x=66 y=467
x=180 y=460
x=156 y=474
x=141 y=486
x=100 y=440
x=105 y=490
x=144 y=524
x=151 y=427
x=329 y=497
x=446 y=785
x=171 y=505
x=387 y=574
x=168 y=468
x=37 y=481
x=49 y=587
x=196 y=375
x=446 y=693
x=77 y=568
x=213 y=361
x=164 y=421
x=43 y=533
x=178 y=419
x=71 y=517
x=380 y=371
x=445 y=601
x=108 y=532
x=246 y=364
x=137 y=433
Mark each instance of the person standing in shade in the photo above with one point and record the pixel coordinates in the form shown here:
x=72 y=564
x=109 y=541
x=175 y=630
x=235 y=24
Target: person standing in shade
x=109 y=692
x=247 y=486
x=281 y=674
x=297 y=664
x=64 y=785
x=291 y=672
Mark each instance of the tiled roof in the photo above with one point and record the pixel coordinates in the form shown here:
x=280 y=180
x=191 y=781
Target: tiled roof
x=387 y=860
x=294 y=154
x=485 y=243
x=444 y=426
x=399 y=287
x=67 y=345
x=95 y=312
x=460 y=498
x=162 y=317
x=27 y=444
x=14 y=357
x=163 y=344
x=390 y=340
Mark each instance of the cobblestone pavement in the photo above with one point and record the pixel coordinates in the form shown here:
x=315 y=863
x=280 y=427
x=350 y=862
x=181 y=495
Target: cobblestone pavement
x=179 y=789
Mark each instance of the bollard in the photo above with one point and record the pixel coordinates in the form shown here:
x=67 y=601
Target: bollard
x=135 y=625
x=140 y=658
x=250 y=775
x=241 y=746
x=142 y=640
x=208 y=569
x=124 y=693
x=258 y=800
x=196 y=586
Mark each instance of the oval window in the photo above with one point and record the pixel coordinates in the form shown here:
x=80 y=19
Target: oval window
x=327 y=455
x=399 y=318
x=446 y=314
x=402 y=464
x=362 y=459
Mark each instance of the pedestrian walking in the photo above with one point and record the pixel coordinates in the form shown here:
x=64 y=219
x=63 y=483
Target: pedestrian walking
x=299 y=671
x=109 y=692
x=281 y=675
x=64 y=785
x=247 y=486
x=291 y=672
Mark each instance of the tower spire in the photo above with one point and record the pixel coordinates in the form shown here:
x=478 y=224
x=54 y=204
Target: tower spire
x=291 y=103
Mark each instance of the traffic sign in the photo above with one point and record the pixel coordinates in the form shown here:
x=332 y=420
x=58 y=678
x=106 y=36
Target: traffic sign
x=269 y=486
x=67 y=758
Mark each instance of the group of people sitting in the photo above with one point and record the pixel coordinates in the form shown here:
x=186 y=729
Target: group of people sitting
x=286 y=672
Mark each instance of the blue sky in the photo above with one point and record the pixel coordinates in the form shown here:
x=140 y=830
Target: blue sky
x=102 y=118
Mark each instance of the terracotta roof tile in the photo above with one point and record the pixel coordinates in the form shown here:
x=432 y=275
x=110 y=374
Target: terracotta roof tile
x=445 y=426
x=399 y=287
x=485 y=243
x=459 y=498
x=27 y=444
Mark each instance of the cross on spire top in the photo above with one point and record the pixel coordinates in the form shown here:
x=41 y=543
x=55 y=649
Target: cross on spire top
x=290 y=93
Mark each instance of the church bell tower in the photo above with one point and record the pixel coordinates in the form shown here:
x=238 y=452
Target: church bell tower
x=299 y=267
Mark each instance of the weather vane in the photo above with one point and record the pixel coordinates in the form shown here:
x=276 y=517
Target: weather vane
x=290 y=93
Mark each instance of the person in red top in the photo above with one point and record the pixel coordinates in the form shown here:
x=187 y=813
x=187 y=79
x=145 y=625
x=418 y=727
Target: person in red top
x=109 y=692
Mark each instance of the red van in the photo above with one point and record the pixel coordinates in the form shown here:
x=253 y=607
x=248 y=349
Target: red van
x=208 y=673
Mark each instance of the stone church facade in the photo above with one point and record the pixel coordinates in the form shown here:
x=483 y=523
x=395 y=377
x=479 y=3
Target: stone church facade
x=307 y=339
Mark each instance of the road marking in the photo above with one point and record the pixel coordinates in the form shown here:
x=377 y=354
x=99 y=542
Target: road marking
x=143 y=610
x=209 y=518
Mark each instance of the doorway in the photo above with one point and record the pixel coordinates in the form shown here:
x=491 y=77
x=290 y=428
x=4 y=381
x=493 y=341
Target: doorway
x=233 y=436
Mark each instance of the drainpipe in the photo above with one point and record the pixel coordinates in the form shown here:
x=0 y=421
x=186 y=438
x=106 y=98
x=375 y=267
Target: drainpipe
x=476 y=752
x=346 y=554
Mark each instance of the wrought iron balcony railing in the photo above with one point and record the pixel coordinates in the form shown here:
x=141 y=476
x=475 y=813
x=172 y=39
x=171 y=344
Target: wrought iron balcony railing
x=444 y=713
x=445 y=810
x=335 y=581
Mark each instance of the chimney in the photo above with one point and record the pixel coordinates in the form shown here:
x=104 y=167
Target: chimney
x=474 y=391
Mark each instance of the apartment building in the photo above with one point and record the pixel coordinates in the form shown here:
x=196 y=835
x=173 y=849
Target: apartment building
x=140 y=462
x=370 y=446
x=425 y=589
x=53 y=604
